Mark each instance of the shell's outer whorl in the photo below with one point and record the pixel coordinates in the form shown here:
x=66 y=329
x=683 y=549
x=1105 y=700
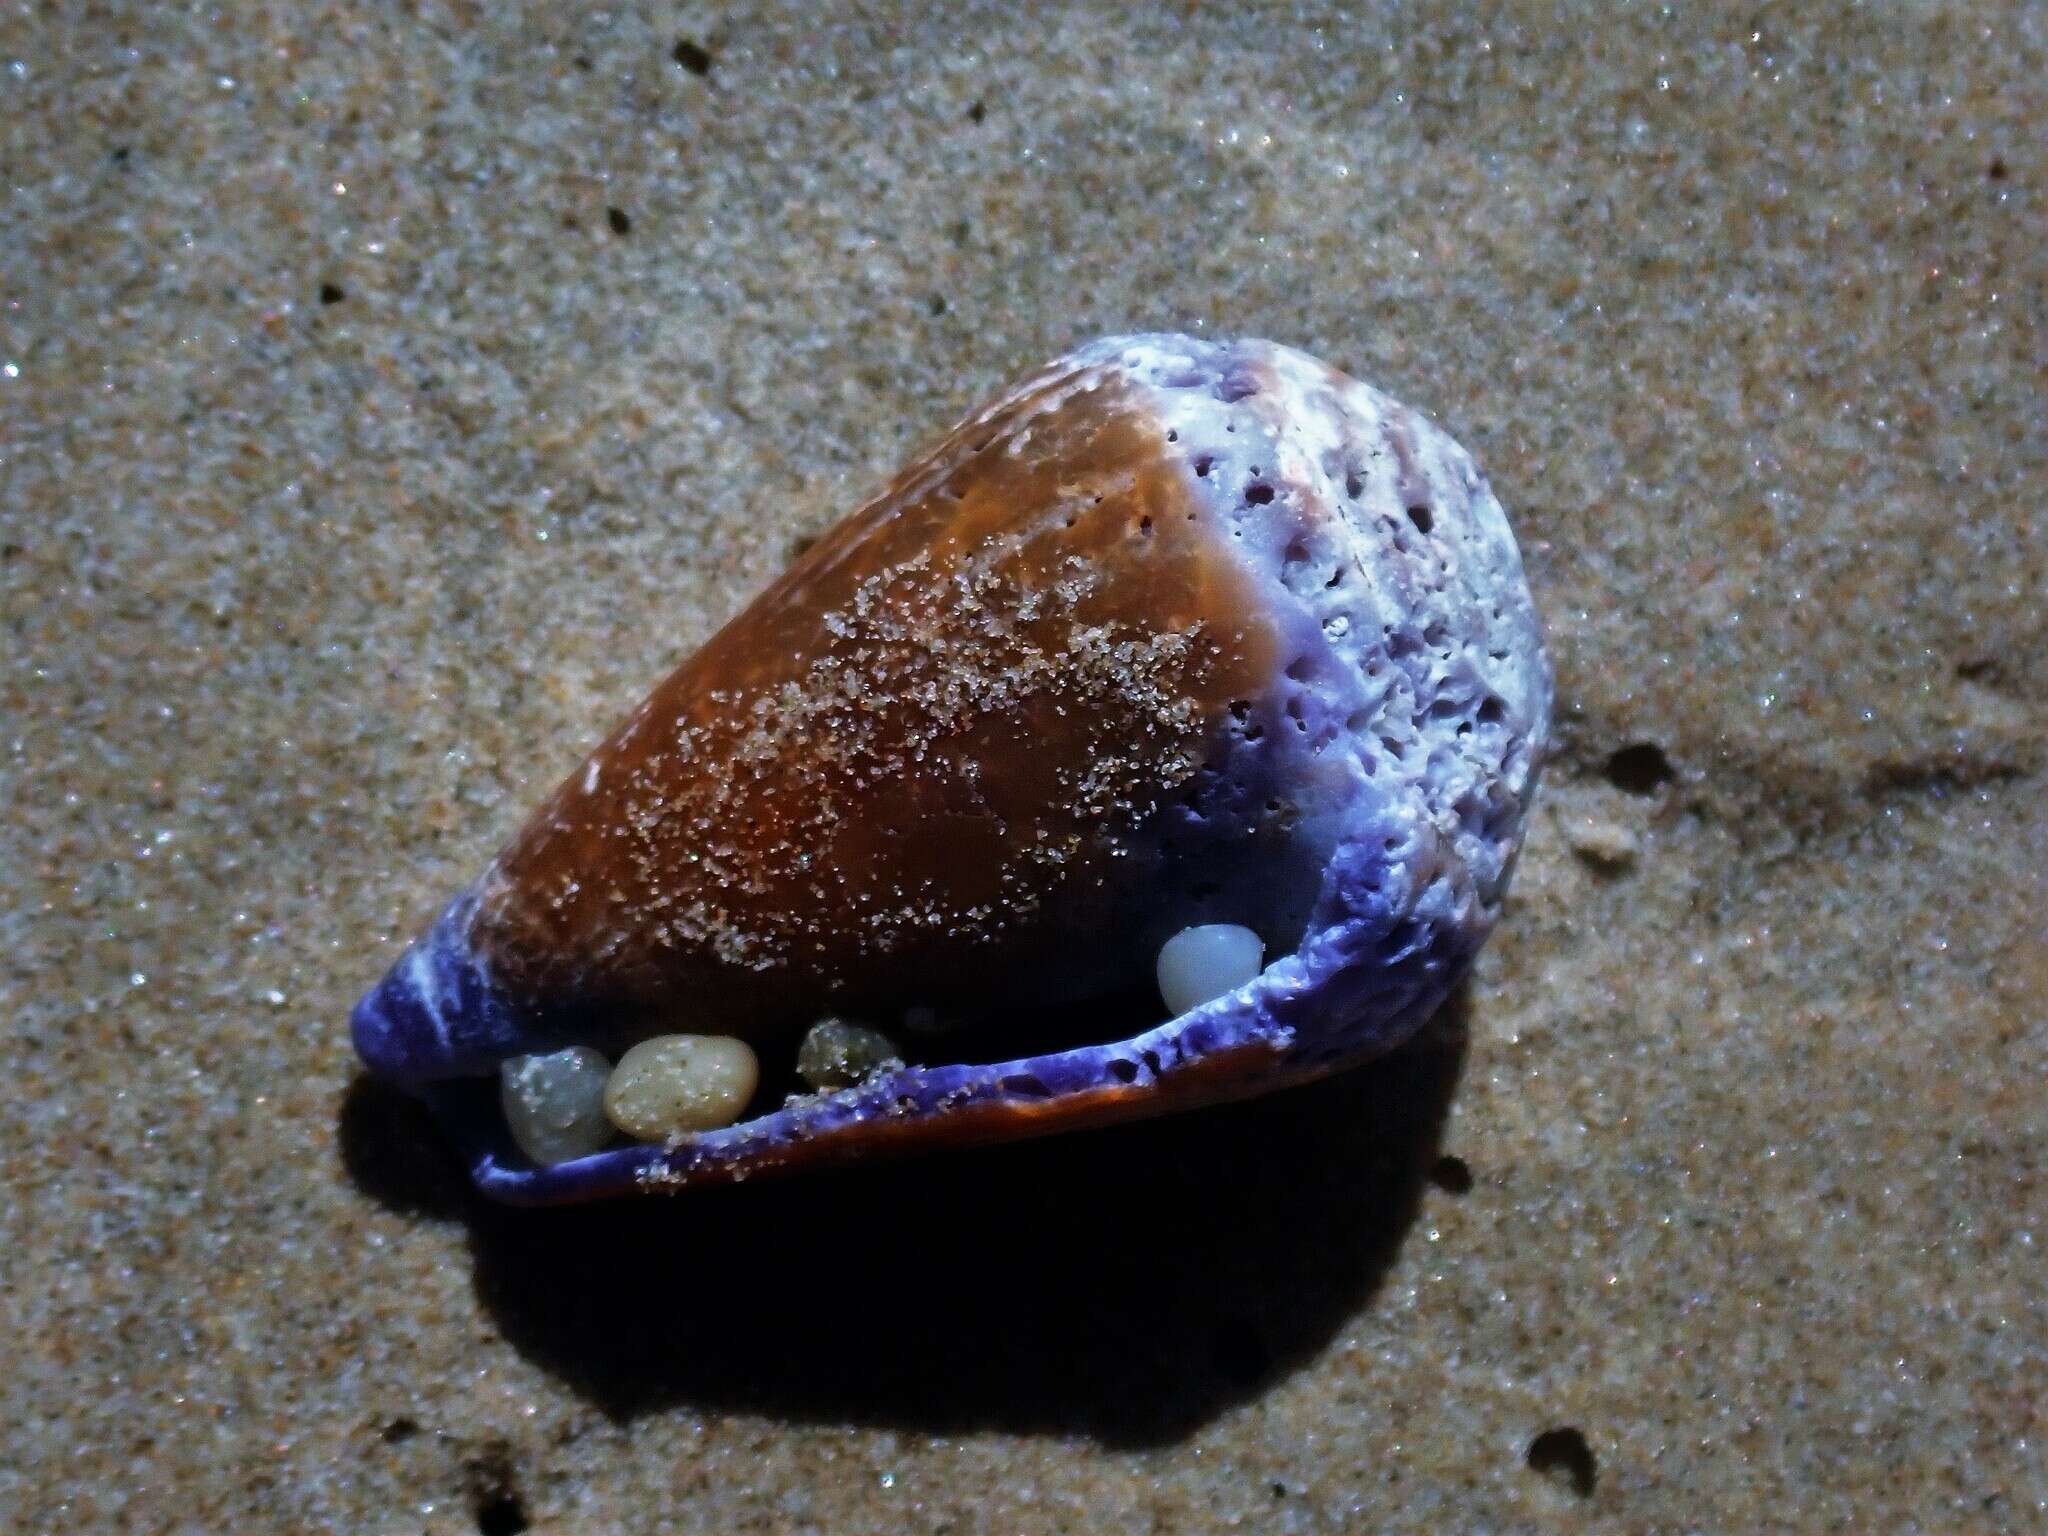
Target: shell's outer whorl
x=1175 y=632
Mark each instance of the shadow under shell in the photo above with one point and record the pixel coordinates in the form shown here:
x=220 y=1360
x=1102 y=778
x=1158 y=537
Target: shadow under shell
x=1128 y=1284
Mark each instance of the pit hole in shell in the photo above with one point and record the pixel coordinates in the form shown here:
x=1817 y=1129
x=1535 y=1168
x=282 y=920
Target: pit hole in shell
x=1400 y=940
x=1235 y=386
x=1294 y=567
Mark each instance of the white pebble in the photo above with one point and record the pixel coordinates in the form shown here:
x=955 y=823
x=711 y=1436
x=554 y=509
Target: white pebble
x=674 y=1084
x=554 y=1104
x=1198 y=964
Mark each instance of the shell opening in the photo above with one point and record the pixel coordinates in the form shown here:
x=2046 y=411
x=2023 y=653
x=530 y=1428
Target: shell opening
x=567 y=1104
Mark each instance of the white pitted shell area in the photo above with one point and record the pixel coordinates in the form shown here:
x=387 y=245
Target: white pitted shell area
x=1402 y=556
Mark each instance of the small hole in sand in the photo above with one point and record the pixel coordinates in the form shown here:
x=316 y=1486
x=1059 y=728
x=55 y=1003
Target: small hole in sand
x=1563 y=1456
x=1451 y=1175
x=501 y=1515
x=1258 y=494
x=1641 y=769
x=1422 y=518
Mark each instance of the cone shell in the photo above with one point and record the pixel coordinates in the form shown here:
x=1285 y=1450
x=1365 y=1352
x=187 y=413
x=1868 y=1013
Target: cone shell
x=1173 y=632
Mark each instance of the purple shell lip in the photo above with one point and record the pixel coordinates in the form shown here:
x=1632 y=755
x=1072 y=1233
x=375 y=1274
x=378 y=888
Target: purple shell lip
x=1357 y=987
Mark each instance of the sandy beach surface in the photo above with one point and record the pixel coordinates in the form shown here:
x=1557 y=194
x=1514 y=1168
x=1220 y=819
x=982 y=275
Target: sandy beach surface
x=389 y=396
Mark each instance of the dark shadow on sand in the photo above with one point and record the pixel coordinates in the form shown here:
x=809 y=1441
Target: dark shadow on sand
x=1127 y=1284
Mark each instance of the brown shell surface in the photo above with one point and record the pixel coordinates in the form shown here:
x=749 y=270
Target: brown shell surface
x=914 y=756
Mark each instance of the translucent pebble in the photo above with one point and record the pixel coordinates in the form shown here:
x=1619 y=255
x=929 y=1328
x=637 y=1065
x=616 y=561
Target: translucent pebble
x=674 y=1084
x=838 y=1054
x=1201 y=963
x=554 y=1103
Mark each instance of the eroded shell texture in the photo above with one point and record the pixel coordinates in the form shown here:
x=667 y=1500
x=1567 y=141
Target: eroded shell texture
x=1174 y=634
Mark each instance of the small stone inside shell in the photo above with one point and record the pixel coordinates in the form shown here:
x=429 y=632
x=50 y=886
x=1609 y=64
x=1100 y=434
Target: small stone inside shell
x=1198 y=964
x=554 y=1103
x=674 y=1084
x=838 y=1054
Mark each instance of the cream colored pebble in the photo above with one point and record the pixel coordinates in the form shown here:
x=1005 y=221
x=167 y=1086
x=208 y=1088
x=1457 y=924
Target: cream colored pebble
x=674 y=1084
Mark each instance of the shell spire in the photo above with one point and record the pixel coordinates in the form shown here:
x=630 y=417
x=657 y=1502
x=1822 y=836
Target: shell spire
x=1173 y=634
